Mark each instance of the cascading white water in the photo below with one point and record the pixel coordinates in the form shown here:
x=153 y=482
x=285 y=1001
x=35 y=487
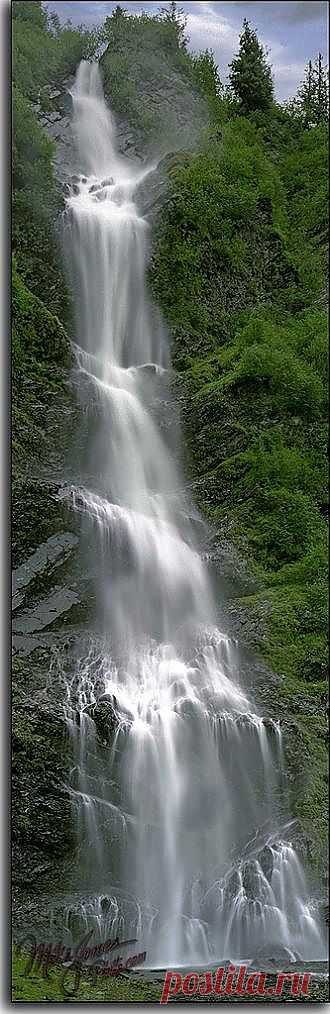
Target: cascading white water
x=170 y=795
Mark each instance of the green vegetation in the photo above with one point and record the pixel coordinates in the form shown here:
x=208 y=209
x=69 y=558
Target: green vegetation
x=206 y=76
x=250 y=75
x=35 y=988
x=40 y=353
x=36 y=202
x=240 y=271
x=141 y=50
x=174 y=16
x=311 y=104
x=44 y=53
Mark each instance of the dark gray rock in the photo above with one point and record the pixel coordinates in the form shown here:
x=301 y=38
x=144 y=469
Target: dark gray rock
x=57 y=548
x=266 y=860
x=273 y=954
x=49 y=609
x=232 y=886
x=105 y=718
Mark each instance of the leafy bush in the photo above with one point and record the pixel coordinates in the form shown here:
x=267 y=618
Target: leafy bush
x=44 y=53
x=36 y=202
x=240 y=273
x=43 y=56
x=284 y=525
x=39 y=351
x=292 y=384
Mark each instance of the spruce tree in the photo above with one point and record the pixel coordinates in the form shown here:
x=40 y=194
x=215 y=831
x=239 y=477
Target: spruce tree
x=250 y=74
x=175 y=16
x=312 y=102
x=119 y=12
x=207 y=75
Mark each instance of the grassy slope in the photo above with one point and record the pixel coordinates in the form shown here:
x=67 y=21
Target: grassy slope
x=34 y=988
x=239 y=271
x=40 y=353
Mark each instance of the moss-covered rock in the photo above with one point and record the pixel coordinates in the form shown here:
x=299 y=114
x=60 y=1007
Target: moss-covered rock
x=41 y=814
x=43 y=407
x=40 y=360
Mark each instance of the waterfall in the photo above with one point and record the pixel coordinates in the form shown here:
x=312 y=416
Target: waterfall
x=175 y=774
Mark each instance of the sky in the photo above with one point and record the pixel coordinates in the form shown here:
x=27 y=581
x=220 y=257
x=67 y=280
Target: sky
x=292 y=32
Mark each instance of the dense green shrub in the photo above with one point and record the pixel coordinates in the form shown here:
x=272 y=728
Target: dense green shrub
x=39 y=354
x=240 y=273
x=44 y=52
x=36 y=204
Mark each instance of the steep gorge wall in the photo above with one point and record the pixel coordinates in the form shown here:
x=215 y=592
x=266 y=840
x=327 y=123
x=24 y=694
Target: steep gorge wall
x=155 y=118
x=52 y=585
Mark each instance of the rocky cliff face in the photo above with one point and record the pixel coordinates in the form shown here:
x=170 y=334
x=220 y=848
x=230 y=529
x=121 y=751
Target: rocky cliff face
x=53 y=586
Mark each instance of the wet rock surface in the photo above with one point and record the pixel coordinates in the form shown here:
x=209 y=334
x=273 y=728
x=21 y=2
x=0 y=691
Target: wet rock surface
x=318 y=991
x=41 y=814
x=54 y=605
x=266 y=861
x=57 y=548
x=47 y=610
x=105 y=717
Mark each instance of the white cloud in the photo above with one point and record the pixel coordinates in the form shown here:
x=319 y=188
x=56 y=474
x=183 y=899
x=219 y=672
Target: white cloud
x=210 y=30
x=217 y=28
x=289 y=71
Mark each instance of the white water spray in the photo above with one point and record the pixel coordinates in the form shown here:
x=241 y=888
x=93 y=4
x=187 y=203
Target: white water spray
x=166 y=798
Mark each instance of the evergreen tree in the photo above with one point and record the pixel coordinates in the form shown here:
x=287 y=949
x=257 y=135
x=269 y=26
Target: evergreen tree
x=117 y=16
x=54 y=24
x=176 y=17
x=312 y=102
x=250 y=74
x=322 y=108
x=207 y=75
x=119 y=12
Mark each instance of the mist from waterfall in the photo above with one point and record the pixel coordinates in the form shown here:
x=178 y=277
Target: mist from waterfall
x=175 y=800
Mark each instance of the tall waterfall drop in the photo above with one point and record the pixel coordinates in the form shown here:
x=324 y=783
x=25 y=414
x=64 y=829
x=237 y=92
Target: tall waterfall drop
x=173 y=787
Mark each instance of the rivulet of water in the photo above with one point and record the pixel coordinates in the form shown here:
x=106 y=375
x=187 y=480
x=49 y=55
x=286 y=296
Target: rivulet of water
x=174 y=770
